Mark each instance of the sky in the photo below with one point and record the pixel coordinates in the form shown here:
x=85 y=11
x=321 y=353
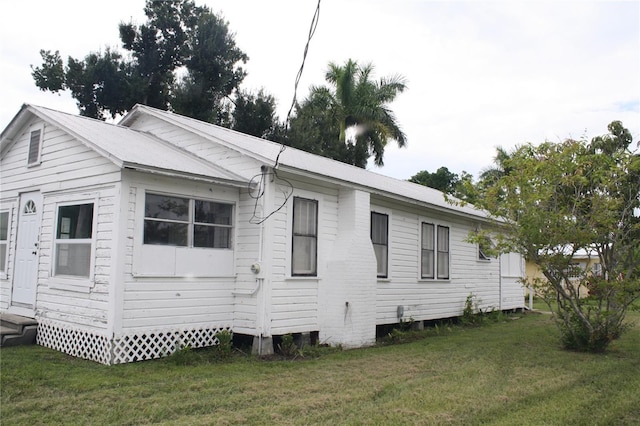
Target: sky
x=480 y=74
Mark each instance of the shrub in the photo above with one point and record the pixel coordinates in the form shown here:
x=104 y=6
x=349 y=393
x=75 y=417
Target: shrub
x=224 y=347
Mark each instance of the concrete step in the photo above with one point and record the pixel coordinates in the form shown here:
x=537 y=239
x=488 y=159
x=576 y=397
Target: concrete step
x=17 y=330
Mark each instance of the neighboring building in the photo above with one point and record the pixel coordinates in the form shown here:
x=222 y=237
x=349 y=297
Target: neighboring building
x=582 y=262
x=127 y=241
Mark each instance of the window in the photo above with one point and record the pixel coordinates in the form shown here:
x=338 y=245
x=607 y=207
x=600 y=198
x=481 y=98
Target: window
x=380 y=240
x=434 y=254
x=304 y=246
x=4 y=237
x=34 y=147
x=484 y=245
x=184 y=222
x=428 y=251
x=74 y=237
x=443 y=252
x=596 y=269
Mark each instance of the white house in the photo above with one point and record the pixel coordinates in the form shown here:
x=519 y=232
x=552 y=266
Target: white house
x=127 y=241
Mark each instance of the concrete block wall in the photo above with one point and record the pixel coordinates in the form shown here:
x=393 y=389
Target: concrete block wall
x=347 y=294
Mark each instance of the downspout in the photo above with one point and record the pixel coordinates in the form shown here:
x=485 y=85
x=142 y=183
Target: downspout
x=261 y=302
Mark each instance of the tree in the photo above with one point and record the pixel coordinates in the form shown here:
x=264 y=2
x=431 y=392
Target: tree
x=460 y=186
x=572 y=198
x=354 y=103
x=255 y=114
x=212 y=73
x=442 y=180
x=177 y=37
x=315 y=129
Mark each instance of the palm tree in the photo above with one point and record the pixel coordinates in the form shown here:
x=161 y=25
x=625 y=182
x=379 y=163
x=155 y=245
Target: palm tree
x=360 y=104
x=490 y=175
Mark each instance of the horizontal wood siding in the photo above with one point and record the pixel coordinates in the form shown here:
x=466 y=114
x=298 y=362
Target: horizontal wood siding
x=431 y=299
x=69 y=172
x=294 y=300
x=180 y=302
x=247 y=253
x=204 y=148
x=9 y=205
x=66 y=163
x=156 y=304
x=86 y=303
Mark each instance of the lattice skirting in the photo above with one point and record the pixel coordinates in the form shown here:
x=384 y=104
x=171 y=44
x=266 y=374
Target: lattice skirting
x=127 y=347
x=156 y=344
x=74 y=341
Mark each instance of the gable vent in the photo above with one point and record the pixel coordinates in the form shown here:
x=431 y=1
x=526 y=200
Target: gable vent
x=34 y=147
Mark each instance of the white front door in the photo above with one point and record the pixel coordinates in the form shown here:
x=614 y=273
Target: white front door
x=25 y=274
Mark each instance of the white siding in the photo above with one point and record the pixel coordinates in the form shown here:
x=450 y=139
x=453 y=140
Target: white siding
x=68 y=172
x=9 y=205
x=512 y=295
x=248 y=283
x=215 y=153
x=293 y=305
x=66 y=163
x=172 y=302
x=424 y=299
x=84 y=303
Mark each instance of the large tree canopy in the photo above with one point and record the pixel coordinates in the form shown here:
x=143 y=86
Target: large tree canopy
x=575 y=198
x=183 y=58
x=460 y=186
x=353 y=104
x=442 y=180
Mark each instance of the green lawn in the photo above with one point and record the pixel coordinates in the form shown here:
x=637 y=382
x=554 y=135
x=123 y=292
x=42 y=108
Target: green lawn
x=511 y=372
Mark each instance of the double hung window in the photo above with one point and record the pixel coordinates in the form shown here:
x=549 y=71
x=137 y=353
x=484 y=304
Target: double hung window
x=304 y=247
x=74 y=239
x=380 y=240
x=428 y=251
x=443 y=252
x=4 y=238
x=434 y=253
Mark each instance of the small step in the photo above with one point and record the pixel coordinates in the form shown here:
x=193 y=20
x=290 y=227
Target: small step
x=17 y=330
x=27 y=337
x=4 y=330
x=11 y=320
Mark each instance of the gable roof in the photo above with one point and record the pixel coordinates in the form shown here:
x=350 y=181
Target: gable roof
x=125 y=147
x=301 y=162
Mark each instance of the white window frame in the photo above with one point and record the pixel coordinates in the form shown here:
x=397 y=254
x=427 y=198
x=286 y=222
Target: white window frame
x=439 y=256
x=313 y=272
x=437 y=273
x=385 y=274
x=171 y=261
x=432 y=275
x=38 y=160
x=72 y=282
x=4 y=272
x=191 y=220
x=596 y=269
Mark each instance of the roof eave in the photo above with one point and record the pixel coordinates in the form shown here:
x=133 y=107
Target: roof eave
x=479 y=216
x=189 y=176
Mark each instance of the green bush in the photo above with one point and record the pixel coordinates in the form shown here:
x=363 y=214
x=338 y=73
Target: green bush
x=224 y=348
x=288 y=347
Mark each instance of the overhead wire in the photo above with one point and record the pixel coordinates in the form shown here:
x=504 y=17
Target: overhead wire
x=260 y=178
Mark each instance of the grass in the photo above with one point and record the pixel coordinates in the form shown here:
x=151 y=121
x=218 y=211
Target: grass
x=504 y=373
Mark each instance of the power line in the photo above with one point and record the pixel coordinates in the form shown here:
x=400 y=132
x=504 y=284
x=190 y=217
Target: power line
x=255 y=219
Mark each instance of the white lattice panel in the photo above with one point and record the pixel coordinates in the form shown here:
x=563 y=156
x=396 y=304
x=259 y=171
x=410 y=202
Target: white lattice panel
x=138 y=347
x=124 y=348
x=75 y=342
